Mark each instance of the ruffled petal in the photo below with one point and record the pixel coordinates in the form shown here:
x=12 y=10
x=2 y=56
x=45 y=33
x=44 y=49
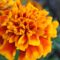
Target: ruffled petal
x=21 y=56
x=34 y=52
x=8 y=51
x=33 y=40
x=22 y=44
x=47 y=45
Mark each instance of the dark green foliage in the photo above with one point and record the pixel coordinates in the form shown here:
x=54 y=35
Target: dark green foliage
x=2 y=57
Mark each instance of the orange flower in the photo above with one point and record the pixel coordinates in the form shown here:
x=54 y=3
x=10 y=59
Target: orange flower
x=28 y=29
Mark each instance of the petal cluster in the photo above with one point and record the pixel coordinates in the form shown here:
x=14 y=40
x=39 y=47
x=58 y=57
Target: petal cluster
x=27 y=29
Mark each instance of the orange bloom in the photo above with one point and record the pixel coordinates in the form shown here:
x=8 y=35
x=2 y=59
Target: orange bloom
x=27 y=29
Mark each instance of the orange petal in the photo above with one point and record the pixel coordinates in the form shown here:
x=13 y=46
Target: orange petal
x=12 y=37
x=21 y=56
x=34 y=52
x=8 y=51
x=3 y=19
x=2 y=42
x=2 y=30
x=47 y=44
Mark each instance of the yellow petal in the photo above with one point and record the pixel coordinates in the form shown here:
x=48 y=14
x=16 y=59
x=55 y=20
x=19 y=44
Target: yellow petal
x=22 y=39
x=33 y=40
x=22 y=43
x=55 y=24
x=22 y=47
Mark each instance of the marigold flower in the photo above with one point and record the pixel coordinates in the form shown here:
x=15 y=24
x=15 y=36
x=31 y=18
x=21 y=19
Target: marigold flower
x=28 y=29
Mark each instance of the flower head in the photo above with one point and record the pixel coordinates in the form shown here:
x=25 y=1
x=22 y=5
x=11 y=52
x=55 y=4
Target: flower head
x=28 y=29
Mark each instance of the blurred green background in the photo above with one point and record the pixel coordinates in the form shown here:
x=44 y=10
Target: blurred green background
x=55 y=54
